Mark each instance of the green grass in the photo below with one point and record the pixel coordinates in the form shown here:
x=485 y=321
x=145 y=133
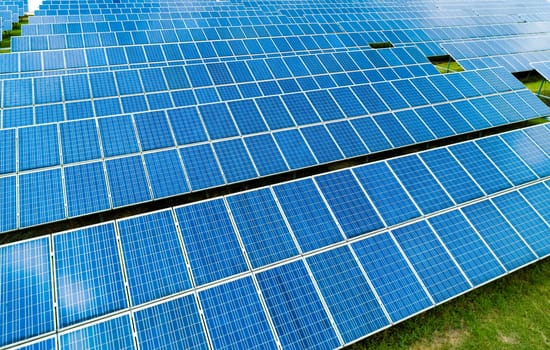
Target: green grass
x=446 y=67
x=5 y=44
x=510 y=313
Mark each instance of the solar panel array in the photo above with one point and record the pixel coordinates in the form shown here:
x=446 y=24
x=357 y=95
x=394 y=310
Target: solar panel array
x=287 y=264
x=107 y=104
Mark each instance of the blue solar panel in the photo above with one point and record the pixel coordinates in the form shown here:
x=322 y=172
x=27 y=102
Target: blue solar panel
x=172 y=324
x=371 y=134
x=234 y=160
x=88 y=274
x=393 y=130
x=498 y=234
x=506 y=160
x=79 y=141
x=247 y=116
x=265 y=154
x=479 y=167
x=451 y=175
x=295 y=308
x=421 y=185
x=349 y=204
x=103 y=85
x=202 y=167
x=300 y=108
x=394 y=281
x=414 y=125
x=166 y=173
x=261 y=227
x=295 y=150
x=26 y=293
x=307 y=214
x=187 y=126
x=8 y=203
x=153 y=130
x=118 y=136
x=38 y=147
x=275 y=113
x=349 y=297
x=7 y=151
x=218 y=121
x=347 y=139
x=127 y=180
x=41 y=197
x=387 y=195
x=47 y=344
x=235 y=316
x=529 y=152
x=153 y=257
x=112 y=334
x=322 y=144
x=432 y=262
x=537 y=196
x=210 y=240
x=526 y=221
x=47 y=90
x=86 y=189
x=470 y=252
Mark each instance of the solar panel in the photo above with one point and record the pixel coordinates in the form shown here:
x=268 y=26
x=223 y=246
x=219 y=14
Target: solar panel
x=88 y=273
x=110 y=105
x=175 y=323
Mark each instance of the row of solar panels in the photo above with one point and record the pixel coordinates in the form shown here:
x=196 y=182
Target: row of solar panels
x=54 y=194
x=169 y=87
x=289 y=264
x=171 y=20
x=139 y=56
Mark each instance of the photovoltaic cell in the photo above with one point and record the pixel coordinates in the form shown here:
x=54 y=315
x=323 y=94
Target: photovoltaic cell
x=210 y=240
x=479 y=167
x=526 y=221
x=235 y=316
x=118 y=136
x=531 y=154
x=153 y=257
x=112 y=334
x=506 y=160
x=8 y=203
x=86 y=189
x=349 y=204
x=88 y=274
x=79 y=141
x=499 y=235
x=394 y=281
x=295 y=308
x=421 y=185
x=166 y=173
x=471 y=253
x=539 y=197
x=41 y=197
x=350 y=299
x=7 y=151
x=431 y=261
x=387 y=195
x=127 y=180
x=451 y=175
x=38 y=147
x=234 y=160
x=294 y=149
x=265 y=154
x=261 y=227
x=25 y=290
x=172 y=324
x=153 y=130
